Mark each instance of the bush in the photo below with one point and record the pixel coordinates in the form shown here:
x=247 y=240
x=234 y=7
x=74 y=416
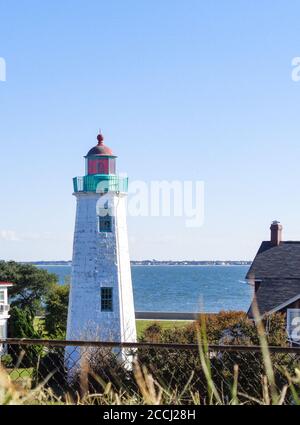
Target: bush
x=153 y=332
x=57 y=311
x=224 y=328
x=21 y=325
x=97 y=367
x=51 y=369
x=6 y=360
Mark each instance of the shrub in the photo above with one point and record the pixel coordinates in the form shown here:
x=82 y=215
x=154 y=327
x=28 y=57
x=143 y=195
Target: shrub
x=51 y=369
x=6 y=360
x=21 y=326
x=153 y=333
x=57 y=311
x=224 y=328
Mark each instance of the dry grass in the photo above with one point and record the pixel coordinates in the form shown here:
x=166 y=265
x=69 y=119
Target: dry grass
x=152 y=393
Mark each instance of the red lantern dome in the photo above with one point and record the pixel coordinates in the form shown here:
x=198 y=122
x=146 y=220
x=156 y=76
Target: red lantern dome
x=100 y=159
x=100 y=149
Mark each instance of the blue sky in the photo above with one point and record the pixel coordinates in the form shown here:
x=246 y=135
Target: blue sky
x=195 y=90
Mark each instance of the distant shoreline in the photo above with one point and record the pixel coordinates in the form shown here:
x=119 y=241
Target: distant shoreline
x=154 y=264
x=191 y=265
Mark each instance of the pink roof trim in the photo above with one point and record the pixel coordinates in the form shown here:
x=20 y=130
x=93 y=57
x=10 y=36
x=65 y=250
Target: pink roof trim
x=6 y=283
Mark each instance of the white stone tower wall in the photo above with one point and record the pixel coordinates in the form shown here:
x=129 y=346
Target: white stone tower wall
x=100 y=259
x=127 y=312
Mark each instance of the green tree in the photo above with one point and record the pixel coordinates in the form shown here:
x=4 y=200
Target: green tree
x=32 y=285
x=21 y=324
x=27 y=296
x=57 y=311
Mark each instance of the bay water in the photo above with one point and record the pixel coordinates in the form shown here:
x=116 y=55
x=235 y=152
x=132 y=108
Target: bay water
x=183 y=288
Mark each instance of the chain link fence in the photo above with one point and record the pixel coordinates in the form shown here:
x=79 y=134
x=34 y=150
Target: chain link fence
x=87 y=367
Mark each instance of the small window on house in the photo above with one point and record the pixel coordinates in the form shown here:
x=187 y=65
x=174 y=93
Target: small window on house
x=2 y=331
x=106 y=299
x=1 y=297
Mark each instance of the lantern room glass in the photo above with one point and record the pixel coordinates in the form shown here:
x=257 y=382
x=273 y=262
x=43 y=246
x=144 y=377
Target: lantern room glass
x=102 y=165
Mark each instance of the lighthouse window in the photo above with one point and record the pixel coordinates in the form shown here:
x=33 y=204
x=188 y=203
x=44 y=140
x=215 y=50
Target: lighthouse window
x=101 y=168
x=105 y=223
x=106 y=299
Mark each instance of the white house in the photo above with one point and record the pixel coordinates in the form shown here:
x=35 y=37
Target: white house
x=4 y=310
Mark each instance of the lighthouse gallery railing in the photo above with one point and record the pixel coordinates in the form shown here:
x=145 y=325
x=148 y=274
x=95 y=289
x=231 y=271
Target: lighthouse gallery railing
x=100 y=183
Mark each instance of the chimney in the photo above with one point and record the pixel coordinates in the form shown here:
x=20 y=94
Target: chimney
x=276 y=233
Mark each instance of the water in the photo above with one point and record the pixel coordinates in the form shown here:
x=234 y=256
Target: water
x=184 y=288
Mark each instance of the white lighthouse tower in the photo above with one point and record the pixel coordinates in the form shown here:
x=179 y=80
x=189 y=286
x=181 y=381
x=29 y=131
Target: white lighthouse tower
x=101 y=304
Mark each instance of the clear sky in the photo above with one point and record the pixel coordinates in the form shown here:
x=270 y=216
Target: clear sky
x=185 y=90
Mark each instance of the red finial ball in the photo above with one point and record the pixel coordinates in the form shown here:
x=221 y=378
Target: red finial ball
x=100 y=139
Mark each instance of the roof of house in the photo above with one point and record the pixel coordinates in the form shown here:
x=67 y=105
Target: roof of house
x=275 y=294
x=278 y=270
x=279 y=262
x=6 y=283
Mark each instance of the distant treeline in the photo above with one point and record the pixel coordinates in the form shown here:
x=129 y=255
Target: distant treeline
x=157 y=263
x=48 y=263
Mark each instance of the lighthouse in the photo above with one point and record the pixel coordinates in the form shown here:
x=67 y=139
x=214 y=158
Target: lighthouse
x=101 y=306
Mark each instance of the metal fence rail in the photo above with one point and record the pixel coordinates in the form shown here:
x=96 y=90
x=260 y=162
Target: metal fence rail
x=70 y=366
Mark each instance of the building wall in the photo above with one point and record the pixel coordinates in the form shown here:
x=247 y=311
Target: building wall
x=100 y=260
x=295 y=304
x=3 y=318
x=3 y=334
x=3 y=325
x=5 y=291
